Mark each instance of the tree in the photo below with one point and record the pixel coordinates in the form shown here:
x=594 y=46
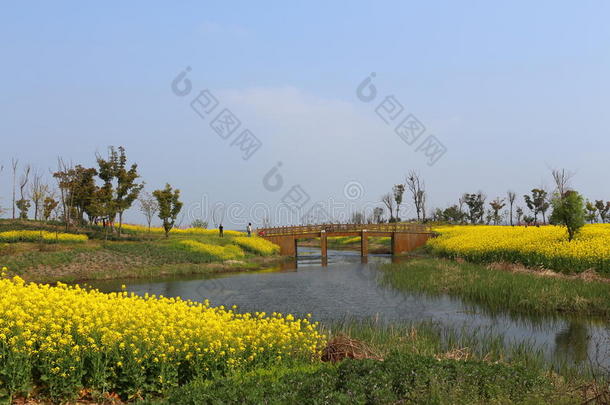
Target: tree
x=511 y=201
x=357 y=218
x=378 y=215
x=496 y=206
x=591 y=212
x=537 y=203
x=169 y=206
x=476 y=206
x=14 y=164
x=562 y=180
x=119 y=182
x=569 y=211
x=519 y=212
x=416 y=187
x=602 y=209
x=388 y=200
x=149 y=207
x=529 y=220
x=398 y=190
x=452 y=214
x=23 y=204
x=199 y=223
x=48 y=206
x=38 y=192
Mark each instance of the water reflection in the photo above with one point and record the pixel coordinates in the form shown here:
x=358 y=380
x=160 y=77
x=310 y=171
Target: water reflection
x=572 y=342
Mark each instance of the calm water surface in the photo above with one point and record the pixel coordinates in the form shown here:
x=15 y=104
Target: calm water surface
x=349 y=288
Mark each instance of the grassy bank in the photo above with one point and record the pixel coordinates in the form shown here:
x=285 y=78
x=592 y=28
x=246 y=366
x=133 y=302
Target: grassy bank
x=85 y=254
x=407 y=363
x=517 y=291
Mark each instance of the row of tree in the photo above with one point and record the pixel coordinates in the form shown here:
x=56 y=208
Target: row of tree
x=567 y=206
x=91 y=195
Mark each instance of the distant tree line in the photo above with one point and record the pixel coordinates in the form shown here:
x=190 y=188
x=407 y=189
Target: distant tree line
x=565 y=205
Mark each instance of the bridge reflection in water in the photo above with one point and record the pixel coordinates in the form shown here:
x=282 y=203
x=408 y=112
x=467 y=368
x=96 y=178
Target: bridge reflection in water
x=404 y=237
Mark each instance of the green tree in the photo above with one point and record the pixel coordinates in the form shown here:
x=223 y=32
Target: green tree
x=120 y=183
x=591 y=212
x=569 y=211
x=169 y=206
x=603 y=209
x=496 y=206
x=476 y=206
x=537 y=203
x=519 y=212
x=452 y=214
x=23 y=206
x=49 y=204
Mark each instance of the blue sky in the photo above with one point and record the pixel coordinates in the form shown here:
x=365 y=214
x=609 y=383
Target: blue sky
x=510 y=89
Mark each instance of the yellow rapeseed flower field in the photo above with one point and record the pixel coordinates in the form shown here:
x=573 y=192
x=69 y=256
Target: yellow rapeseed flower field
x=65 y=338
x=37 y=236
x=178 y=231
x=257 y=245
x=545 y=246
x=218 y=252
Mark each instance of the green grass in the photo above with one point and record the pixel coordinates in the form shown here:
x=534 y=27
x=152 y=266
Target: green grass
x=400 y=378
x=499 y=290
x=422 y=364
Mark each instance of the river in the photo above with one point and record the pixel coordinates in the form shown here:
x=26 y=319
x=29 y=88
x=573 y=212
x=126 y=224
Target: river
x=348 y=287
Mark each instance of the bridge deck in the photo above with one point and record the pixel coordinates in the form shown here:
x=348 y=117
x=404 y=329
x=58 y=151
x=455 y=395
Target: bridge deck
x=405 y=237
x=346 y=229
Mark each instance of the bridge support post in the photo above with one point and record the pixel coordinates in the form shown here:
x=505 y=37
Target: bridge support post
x=323 y=243
x=364 y=243
x=398 y=243
x=287 y=244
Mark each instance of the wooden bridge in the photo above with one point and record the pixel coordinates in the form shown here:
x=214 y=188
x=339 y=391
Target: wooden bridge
x=405 y=237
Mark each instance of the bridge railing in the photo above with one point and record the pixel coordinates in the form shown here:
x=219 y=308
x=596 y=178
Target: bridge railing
x=389 y=227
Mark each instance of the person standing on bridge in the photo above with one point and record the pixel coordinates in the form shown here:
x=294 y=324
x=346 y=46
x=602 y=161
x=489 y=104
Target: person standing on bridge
x=249 y=229
x=221 y=231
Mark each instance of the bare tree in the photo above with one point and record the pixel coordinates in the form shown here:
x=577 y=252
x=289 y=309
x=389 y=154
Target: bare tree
x=14 y=164
x=148 y=206
x=388 y=200
x=511 y=201
x=358 y=218
x=417 y=189
x=66 y=185
x=38 y=192
x=24 y=204
x=562 y=180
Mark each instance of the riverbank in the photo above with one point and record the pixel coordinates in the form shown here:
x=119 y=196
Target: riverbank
x=111 y=260
x=45 y=253
x=498 y=287
x=403 y=363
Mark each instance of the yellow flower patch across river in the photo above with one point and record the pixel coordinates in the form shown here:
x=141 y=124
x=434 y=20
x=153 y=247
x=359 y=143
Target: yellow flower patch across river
x=545 y=246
